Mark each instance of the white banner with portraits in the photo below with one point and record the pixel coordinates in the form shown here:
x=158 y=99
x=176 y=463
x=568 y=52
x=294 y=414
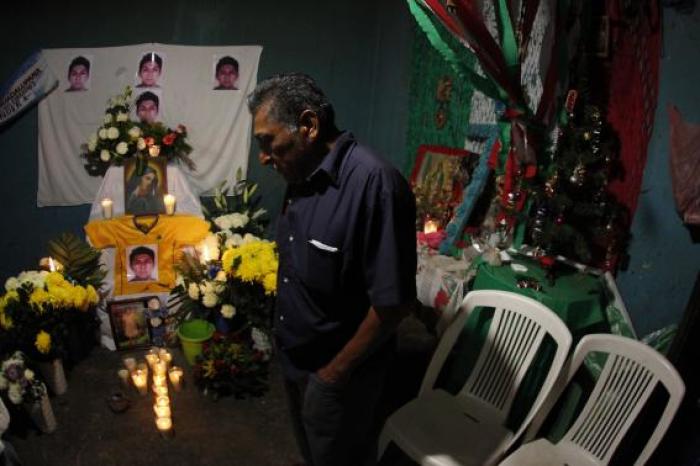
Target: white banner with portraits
x=203 y=88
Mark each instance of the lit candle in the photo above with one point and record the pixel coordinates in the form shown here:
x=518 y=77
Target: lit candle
x=152 y=358
x=165 y=355
x=162 y=411
x=158 y=380
x=165 y=426
x=124 y=376
x=169 y=201
x=430 y=226
x=106 y=207
x=160 y=368
x=52 y=265
x=205 y=254
x=161 y=390
x=175 y=375
x=162 y=401
x=140 y=381
x=130 y=364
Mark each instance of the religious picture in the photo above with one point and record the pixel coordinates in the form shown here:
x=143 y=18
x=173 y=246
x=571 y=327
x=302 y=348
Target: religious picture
x=144 y=190
x=225 y=73
x=129 y=323
x=142 y=263
x=148 y=106
x=149 y=71
x=78 y=74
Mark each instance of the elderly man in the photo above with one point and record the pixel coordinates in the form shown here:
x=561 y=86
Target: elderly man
x=346 y=239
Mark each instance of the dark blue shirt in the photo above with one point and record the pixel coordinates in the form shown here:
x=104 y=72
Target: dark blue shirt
x=346 y=239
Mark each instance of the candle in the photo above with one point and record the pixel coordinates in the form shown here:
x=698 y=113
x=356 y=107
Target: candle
x=160 y=368
x=124 y=376
x=52 y=265
x=205 y=254
x=130 y=364
x=162 y=401
x=169 y=201
x=106 y=207
x=152 y=358
x=158 y=380
x=165 y=355
x=175 y=375
x=160 y=390
x=430 y=226
x=162 y=411
x=140 y=381
x=165 y=426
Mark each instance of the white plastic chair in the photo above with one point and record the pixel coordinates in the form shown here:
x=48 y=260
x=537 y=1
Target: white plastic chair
x=441 y=429
x=631 y=373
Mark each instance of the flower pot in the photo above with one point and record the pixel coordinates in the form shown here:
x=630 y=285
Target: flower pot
x=41 y=414
x=54 y=376
x=193 y=333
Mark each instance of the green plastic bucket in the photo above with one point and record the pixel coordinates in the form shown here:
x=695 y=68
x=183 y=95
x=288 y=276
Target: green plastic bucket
x=192 y=334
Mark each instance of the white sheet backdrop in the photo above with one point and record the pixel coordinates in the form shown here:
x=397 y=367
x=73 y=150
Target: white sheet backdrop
x=218 y=122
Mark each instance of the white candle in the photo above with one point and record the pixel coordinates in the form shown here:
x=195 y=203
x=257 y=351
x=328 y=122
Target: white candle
x=160 y=390
x=162 y=401
x=158 y=380
x=106 y=207
x=175 y=375
x=52 y=265
x=205 y=254
x=140 y=381
x=430 y=226
x=160 y=368
x=169 y=201
x=124 y=376
x=165 y=426
x=162 y=411
x=130 y=364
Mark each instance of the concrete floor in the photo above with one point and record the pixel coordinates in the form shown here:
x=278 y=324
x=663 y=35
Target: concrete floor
x=247 y=432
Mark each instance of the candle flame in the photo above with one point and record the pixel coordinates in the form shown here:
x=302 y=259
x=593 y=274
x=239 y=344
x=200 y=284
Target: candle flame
x=52 y=265
x=430 y=226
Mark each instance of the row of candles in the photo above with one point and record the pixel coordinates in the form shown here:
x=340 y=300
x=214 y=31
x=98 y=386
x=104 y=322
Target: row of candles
x=158 y=360
x=108 y=204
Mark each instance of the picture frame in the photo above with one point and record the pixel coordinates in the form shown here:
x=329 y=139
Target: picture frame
x=129 y=320
x=145 y=184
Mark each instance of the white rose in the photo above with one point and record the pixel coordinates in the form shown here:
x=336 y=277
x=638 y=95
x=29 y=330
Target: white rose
x=102 y=133
x=193 y=291
x=223 y=222
x=248 y=238
x=11 y=284
x=135 y=132
x=107 y=119
x=15 y=393
x=238 y=220
x=121 y=116
x=220 y=276
x=234 y=241
x=112 y=132
x=105 y=155
x=141 y=144
x=210 y=300
x=122 y=148
x=29 y=374
x=228 y=310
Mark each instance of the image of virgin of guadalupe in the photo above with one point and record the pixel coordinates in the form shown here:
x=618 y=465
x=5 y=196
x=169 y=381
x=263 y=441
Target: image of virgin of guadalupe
x=144 y=193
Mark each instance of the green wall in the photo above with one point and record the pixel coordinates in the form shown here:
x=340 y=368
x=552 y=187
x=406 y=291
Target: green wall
x=358 y=51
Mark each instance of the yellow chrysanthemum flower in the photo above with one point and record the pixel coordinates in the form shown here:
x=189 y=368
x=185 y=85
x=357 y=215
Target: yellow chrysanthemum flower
x=270 y=283
x=43 y=342
x=55 y=279
x=93 y=296
x=39 y=298
x=80 y=298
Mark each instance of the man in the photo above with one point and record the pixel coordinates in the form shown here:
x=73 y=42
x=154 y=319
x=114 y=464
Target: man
x=142 y=261
x=147 y=107
x=346 y=239
x=226 y=74
x=78 y=74
x=150 y=67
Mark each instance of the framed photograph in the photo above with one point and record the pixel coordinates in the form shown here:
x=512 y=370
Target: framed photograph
x=144 y=189
x=438 y=179
x=78 y=73
x=150 y=70
x=148 y=106
x=225 y=73
x=141 y=263
x=130 y=323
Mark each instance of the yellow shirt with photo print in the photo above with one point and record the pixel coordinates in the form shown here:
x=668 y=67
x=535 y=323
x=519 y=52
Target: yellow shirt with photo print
x=170 y=233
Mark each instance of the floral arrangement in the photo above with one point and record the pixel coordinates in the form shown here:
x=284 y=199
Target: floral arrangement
x=17 y=381
x=37 y=306
x=234 y=364
x=120 y=138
